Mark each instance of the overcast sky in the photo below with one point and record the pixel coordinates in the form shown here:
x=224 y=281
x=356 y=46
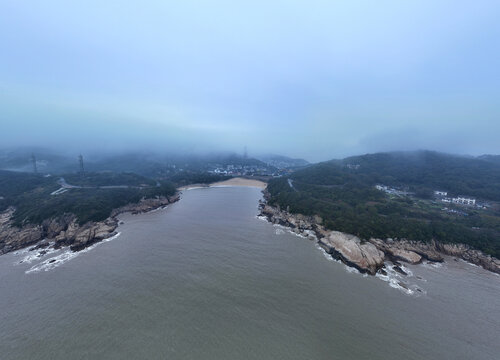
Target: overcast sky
x=313 y=79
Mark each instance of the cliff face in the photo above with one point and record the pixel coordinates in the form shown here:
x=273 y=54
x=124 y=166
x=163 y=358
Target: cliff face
x=369 y=256
x=65 y=230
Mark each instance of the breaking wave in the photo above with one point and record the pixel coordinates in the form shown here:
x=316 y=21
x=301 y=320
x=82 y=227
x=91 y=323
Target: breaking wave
x=65 y=256
x=400 y=282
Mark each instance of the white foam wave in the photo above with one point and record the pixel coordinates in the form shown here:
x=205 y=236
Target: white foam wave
x=194 y=188
x=36 y=255
x=395 y=280
x=21 y=251
x=310 y=234
x=408 y=272
x=328 y=256
x=157 y=209
x=55 y=261
x=469 y=263
x=429 y=264
x=297 y=234
x=351 y=269
x=396 y=284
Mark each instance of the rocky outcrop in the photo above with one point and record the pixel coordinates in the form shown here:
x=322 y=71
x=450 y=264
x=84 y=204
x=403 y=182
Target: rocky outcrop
x=78 y=237
x=473 y=256
x=348 y=248
x=13 y=238
x=369 y=256
x=146 y=205
x=364 y=256
x=298 y=223
x=66 y=231
x=397 y=252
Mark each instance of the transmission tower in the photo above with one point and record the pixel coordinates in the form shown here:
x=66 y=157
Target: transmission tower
x=33 y=160
x=245 y=153
x=82 y=170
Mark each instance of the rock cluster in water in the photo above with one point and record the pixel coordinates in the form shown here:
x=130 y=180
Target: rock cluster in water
x=369 y=256
x=65 y=230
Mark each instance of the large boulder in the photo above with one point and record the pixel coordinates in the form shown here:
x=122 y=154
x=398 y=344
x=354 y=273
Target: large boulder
x=91 y=233
x=395 y=253
x=351 y=250
x=405 y=250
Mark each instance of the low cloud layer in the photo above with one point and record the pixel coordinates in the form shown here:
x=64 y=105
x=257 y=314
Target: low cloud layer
x=313 y=79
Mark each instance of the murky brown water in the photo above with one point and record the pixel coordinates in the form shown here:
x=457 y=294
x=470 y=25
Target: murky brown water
x=206 y=279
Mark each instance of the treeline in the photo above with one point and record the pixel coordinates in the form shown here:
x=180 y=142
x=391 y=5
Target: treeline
x=108 y=178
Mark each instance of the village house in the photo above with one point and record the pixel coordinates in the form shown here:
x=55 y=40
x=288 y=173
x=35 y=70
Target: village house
x=464 y=200
x=440 y=193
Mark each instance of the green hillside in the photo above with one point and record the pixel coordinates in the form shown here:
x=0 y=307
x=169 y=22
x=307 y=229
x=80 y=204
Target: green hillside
x=34 y=199
x=343 y=193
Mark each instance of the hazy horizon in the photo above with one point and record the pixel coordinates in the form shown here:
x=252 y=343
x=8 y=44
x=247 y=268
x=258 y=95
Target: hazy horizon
x=314 y=80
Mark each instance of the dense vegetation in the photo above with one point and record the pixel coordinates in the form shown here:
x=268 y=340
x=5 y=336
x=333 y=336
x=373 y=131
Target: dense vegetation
x=109 y=179
x=426 y=171
x=345 y=197
x=31 y=195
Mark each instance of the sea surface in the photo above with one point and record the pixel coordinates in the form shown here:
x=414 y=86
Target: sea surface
x=206 y=279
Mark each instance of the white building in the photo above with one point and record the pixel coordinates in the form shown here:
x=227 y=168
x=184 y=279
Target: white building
x=440 y=193
x=464 y=200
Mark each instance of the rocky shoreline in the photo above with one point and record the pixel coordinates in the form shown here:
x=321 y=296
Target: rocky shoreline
x=65 y=231
x=370 y=256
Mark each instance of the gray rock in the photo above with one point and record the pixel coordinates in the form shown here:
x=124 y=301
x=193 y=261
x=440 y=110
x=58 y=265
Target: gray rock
x=349 y=248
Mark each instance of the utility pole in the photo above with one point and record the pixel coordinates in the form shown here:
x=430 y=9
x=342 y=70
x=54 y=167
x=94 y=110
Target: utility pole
x=82 y=170
x=33 y=160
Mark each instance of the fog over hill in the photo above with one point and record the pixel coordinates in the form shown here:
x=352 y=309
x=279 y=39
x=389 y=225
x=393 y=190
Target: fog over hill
x=328 y=80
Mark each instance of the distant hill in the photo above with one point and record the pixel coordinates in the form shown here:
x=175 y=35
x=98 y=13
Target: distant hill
x=343 y=193
x=491 y=158
x=47 y=161
x=422 y=172
x=149 y=164
x=282 y=162
x=159 y=166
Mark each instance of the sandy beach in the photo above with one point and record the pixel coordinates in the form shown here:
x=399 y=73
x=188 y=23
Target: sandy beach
x=241 y=182
x=230 y=182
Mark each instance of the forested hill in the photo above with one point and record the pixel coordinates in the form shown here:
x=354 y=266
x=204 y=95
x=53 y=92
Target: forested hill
x=342 y=192
x=92 y=198
x=491 y=158
x=422 y=172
